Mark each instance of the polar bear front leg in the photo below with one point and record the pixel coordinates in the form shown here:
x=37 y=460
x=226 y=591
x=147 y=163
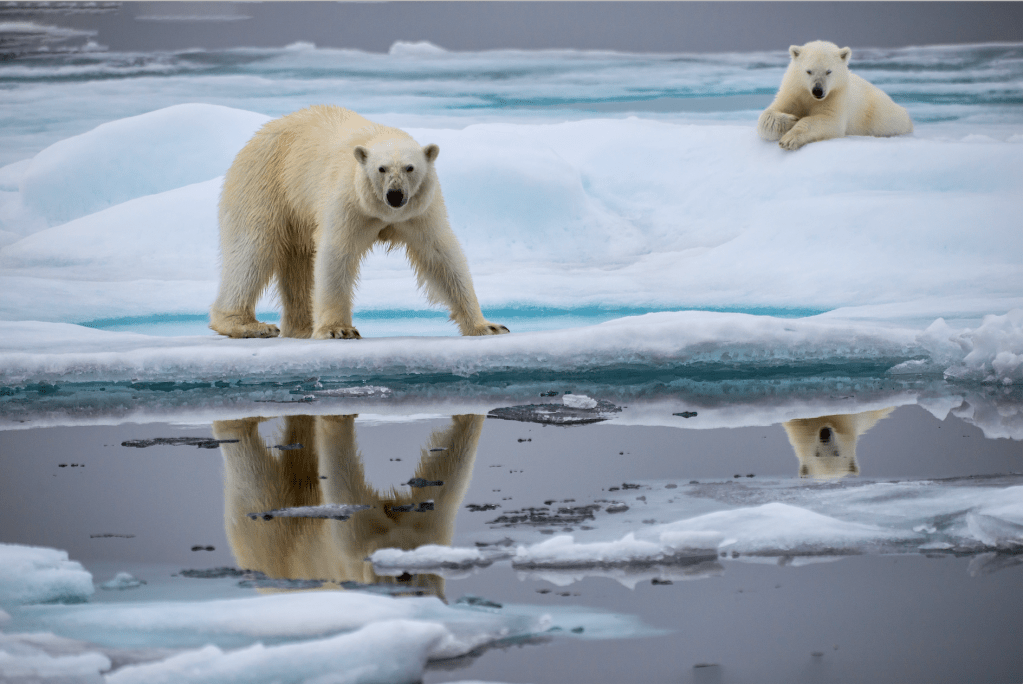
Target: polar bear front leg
x=335 y=273
x=811 y=129
x=443 y=272
x=773 y=124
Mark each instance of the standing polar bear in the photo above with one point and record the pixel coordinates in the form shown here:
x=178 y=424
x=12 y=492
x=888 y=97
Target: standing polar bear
x=306 y=199
x=820 y=98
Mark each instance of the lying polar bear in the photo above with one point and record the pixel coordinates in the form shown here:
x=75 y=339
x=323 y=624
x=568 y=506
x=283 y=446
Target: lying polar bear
x=820 y=98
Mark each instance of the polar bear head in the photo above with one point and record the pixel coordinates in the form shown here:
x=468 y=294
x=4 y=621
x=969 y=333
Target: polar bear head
x=826 y=445
x=821 y=66
x=399 y=174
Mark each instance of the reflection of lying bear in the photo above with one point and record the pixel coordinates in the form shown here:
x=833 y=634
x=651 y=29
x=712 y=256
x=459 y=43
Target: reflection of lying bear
x=826 y=446
x=258 y=478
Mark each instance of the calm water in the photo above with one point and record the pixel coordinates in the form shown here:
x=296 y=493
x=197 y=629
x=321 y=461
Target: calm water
x=888 y=616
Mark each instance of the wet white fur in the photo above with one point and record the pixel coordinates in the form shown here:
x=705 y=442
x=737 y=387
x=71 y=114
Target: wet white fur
x=850 y=106
x=305 y=200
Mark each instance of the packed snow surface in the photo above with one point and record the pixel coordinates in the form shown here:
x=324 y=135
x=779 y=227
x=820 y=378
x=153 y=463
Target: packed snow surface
x=652 y=193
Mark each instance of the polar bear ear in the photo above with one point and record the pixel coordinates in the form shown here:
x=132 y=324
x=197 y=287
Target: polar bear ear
x=794 y=50
x=844 y=54
x=431 y=152
x=361 y=154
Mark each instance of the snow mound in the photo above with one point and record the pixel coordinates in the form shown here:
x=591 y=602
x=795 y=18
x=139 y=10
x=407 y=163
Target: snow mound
x=133 y=157
x=993 y=351
x=422 y=48
x=34 y=574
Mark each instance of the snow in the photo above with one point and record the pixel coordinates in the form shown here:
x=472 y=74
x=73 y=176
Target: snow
x=135 y=157
x=426 y=557
x=334 y=636
x=579 y=401
x=562 y=223
x=122 y=581
x=805 y=524
x=908 y=247
x=27 y=658
x=32 y=574
x=387 y=651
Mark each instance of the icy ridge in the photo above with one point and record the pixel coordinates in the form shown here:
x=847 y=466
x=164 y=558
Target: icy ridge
x=34 y=574
x=37 y=352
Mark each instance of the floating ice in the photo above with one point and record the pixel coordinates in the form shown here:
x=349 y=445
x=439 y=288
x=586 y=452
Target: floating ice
x=386 y=651
x=122 y=581
x=428 y=557
x=42 y=657
x=579 y=401
x=563 y=552
x=34 y=574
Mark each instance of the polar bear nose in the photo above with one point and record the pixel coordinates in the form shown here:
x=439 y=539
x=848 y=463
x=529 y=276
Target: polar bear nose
x=818 y=92
x=395 y=198
x=825 y=435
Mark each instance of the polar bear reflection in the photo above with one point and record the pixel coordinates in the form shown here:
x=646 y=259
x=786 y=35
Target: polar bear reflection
x=826 y=446
x=328 y=469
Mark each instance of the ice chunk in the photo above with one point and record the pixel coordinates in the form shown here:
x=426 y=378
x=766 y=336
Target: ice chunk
x=387 y=651
x=778 y=528
x=44 y=657
x=994 y=350
x=579 y=401
x=122 y=581
x=562 y=551
x=426 y=557
x=34 y=574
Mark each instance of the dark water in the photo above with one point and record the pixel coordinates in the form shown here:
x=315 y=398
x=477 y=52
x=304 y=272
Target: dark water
x=907 y=617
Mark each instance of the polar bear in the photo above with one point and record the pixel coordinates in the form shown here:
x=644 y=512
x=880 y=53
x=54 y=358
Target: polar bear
x=826 y=446
x=820 y=98
x=324 y=465
x=306 y=199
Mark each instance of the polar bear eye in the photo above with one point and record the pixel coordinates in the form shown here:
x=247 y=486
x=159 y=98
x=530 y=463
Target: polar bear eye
x=409 y=169
x=382 y=169
x=828 y=72
x=809 y=72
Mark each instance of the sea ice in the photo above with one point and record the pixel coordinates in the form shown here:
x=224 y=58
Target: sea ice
x=428 y=557
x=33 y=574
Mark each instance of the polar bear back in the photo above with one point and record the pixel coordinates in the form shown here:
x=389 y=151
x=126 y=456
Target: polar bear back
x=873 y=112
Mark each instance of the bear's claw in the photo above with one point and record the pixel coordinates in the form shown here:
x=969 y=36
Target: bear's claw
x=489 y=329
x=338 y=333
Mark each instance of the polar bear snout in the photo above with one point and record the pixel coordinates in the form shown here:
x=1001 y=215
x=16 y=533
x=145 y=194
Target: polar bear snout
x=396 y=198
x=825 y=435
x=818 y=91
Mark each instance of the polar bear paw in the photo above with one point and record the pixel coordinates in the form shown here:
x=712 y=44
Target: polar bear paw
x=791 y=141
x=773 y=125
x=337 y=332
x=488 y=328
x=246 y=330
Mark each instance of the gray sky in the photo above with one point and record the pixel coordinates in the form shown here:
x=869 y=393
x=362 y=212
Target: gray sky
x=624 y=26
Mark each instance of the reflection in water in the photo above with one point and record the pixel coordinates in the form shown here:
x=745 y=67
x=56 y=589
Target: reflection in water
x=327 y=469
x=826 y=446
